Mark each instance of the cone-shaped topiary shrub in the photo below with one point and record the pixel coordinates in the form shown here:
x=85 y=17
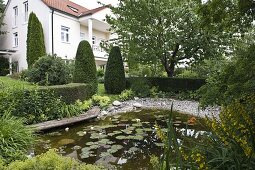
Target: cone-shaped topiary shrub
x=4 y=66
x=115 y=81
x=35 y=40
x=85 y=66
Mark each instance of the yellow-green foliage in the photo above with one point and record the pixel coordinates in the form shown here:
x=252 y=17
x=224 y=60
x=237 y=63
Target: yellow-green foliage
x=85 y=105
x=102 y=101
x=237 y=123
x=50 y=160
x=126 y=95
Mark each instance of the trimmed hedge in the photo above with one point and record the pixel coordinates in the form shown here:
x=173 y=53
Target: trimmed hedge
x=71 y=92
x=168 y=84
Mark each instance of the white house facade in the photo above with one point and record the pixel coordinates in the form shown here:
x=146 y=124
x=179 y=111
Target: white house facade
x=64 y=24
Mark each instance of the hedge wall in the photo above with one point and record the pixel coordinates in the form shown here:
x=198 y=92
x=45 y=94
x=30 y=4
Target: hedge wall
x=169 y=84
x=71 y=92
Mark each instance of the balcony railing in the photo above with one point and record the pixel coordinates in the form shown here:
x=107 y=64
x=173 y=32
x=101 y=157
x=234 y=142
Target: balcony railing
x=97 y=48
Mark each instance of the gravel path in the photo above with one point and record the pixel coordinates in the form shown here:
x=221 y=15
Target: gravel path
x=184 y=106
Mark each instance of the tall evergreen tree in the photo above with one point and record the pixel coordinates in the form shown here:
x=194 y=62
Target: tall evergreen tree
x=2 y=7
x=85 y=66
x=115 y=81
x=35 y=40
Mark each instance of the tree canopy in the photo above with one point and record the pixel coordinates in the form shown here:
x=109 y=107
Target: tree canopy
x=228 y=15
x=162 y=31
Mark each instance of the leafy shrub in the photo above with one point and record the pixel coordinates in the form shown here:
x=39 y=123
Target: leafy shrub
x=34 y=105
x=102 y=101
x=141 y=88
x=85 y=105
x=15 y=138
x=187 y=74
x=49 y=70
x=100 y=72
x=69 y=93
x=85 y=66
x=114 y=81
x=126 y=95
x=231 y=82
x=50 y=160
x=154 y=92
x=35 y=40
x=4 y=66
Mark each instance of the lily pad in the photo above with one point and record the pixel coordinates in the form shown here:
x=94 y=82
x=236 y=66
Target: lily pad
x=147 y=129
x=86 y=154
x=139 y=131
x=103 y=141
x=94 y=146
x=116 y=116
x=127 y=131
x=133 y=149
x=114 y=149
x=159 y=144
x=105 y=154
x=91 y=143
x=81 y=133
x=66 y=141
x=114 y=133
x=121 y=137
x=138 y=137
x=137 y=124
x=97 y=136
x=115 y=120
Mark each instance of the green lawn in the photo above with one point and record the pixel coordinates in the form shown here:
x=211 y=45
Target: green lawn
x=7 y=82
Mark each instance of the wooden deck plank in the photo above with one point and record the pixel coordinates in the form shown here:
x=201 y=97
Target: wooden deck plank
x=93 y=113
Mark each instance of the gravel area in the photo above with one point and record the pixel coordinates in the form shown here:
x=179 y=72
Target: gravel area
x=184 y=106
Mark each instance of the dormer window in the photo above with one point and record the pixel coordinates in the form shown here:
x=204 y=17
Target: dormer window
x=73 y=9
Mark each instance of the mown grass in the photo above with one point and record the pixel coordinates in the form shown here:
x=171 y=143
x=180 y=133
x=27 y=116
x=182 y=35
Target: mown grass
x=7 y=82
x=101 y=92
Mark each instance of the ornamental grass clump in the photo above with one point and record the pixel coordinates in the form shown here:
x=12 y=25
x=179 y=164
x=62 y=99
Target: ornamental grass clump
x=15 y=138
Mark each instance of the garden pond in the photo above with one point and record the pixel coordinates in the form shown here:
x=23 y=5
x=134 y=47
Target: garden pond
x=124 y=141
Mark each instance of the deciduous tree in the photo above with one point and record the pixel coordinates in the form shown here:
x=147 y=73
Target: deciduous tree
x=162 y=31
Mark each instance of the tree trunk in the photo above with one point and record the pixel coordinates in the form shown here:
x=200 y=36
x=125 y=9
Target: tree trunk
x=169 y=68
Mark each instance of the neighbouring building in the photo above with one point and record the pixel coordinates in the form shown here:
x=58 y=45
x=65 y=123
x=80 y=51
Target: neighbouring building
x=65 y=24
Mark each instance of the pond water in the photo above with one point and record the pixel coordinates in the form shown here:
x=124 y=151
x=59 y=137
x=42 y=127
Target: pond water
x=125 y=141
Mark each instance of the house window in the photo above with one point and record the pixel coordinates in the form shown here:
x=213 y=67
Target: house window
x=82 y=35
x=26 y=11
x=65 y=34
x=15 y=12
x=93 y=40
x=15 y=39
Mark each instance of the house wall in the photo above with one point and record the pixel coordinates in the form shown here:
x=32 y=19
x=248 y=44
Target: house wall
x=44 y=14
x=7 y=40
x=63 y=49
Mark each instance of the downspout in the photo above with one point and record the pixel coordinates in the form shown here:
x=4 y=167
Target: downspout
x=52 y=29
